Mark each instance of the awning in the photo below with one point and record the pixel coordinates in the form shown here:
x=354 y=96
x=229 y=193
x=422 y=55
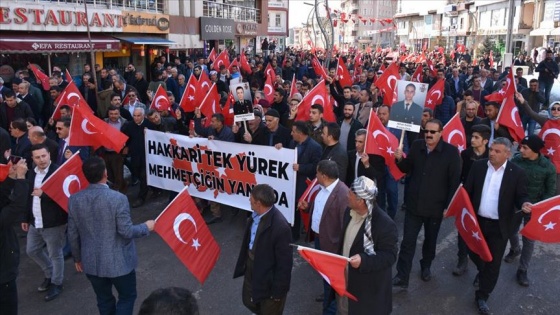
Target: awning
x=157 y=41
x=55 y=43
x=541 y=32
x=555 y=32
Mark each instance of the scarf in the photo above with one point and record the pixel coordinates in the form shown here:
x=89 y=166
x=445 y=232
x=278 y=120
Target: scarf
x=365 y=189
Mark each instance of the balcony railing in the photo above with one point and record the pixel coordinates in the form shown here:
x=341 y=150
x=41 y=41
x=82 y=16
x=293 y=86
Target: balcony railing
x=132 y=5
x=233 y=12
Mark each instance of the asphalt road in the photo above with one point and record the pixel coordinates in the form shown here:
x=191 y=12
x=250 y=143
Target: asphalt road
x=221 y=295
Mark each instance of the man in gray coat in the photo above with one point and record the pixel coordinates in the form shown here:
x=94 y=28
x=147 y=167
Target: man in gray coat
x=101 y=232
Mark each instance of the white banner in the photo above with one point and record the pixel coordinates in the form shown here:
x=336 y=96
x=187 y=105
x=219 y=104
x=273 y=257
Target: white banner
x=220 y=171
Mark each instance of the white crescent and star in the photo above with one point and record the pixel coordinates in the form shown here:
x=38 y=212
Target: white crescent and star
x=438 y=92
x=465 y=213
x=267 y=86
x=391 y=78
x=85 y=129
x=157 y=101
x=178 y=220
x=71 y=95
x=513 y=111
x=66 y=184
x=318 y=97
x=455 y=132
x=550 y=225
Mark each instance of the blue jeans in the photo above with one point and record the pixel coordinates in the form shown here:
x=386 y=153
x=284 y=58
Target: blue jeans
x=528 y=124
x=49 y=257
x=106 y=302
x=329 y=306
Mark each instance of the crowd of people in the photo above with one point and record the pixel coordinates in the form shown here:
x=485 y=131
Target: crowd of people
x=353 y=212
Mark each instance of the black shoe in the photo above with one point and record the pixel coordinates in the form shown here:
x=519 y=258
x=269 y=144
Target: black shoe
x=476 y=281
x=54 y=291
x=320 y=298
x=45 y=285
x=482 y=307
x=398 y=282
x=426 y=274
x=137 y=203
x=522 y=278
x=461 y=266
x=513 y=253
x=214 y=220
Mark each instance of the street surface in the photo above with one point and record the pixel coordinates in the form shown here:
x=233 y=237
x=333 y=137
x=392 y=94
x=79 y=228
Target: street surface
x=221 y=295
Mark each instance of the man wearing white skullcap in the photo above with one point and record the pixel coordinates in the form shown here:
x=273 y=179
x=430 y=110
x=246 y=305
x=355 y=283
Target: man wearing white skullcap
x=370 y=240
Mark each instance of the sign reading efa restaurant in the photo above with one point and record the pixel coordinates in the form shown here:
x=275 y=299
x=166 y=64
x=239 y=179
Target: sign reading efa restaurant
x=34 y=17
x=213 y=29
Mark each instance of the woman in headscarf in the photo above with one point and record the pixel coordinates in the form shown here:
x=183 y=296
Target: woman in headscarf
x=370 y=240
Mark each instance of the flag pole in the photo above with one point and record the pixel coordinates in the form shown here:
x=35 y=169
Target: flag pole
x=298 y=247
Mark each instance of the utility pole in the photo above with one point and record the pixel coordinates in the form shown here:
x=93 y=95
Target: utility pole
x=509 y=34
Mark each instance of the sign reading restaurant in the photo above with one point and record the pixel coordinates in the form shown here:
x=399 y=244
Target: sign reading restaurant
x=33 y=17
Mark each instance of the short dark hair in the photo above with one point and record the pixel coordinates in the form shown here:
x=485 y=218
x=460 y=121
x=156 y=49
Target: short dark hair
x=112 y=107
x=31 y=120
x=318 y=107
x=328 y=168
x=19 y=124
x=65 y=121
x=281 y=91
x=437 y=122
x=533 y=81
x=483 y=130
x=410 y=84
x=151 y=112
x=172 y=300
x=333 y=129
x=113 y=95
x=38 y=146
x=94 y=169
x=219 y=116
x=66 y=107
x=495 y=104
x=9 y=93
x=301 y=126
x=467 y=93
x=264 y=194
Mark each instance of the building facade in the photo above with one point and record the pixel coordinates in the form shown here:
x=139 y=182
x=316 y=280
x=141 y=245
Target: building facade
x=277 y=25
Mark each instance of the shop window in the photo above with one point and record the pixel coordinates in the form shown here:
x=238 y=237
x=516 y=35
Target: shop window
x=278 y=20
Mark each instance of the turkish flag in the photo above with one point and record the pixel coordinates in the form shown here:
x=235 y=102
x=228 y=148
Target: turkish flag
x=545 y=215
x=68 y=179
x=317 y=95
x=382 y=142
x=509 y=117
x=330 y=266
x=227 y=110
x=467 y=224
x=68 y=76
x=270 y=73
x=187 y=102
x=269 y=89
x=507 y=90
x=452 y=55
x=550 y=133
x=222 y=59
x=358 y=60
x=417 y=76
x=454 y=133
x=244 y=63
x=160 y=101
x=70 y=96
x=212 y=55
x=461 y=48
x=210 y=105
x=318 y=68
x=182 y=227
x=234 y=63
x=433 y=70
x=384 y=84
x=343 y=74
x=293 y=87
x=86 y=129
x=308 y=195
x=4 y=171
x=126 y=100
x=382 y=68
x=41 y=77
x=435 y=95
x=202 y=88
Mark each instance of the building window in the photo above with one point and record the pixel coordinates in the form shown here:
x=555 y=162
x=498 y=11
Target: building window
x=278 y=20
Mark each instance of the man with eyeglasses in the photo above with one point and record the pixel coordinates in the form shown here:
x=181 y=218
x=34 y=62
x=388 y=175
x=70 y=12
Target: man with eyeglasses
x=434 y=167
x=535 y=99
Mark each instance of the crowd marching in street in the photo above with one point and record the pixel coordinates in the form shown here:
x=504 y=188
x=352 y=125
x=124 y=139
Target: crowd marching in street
x=476 y=156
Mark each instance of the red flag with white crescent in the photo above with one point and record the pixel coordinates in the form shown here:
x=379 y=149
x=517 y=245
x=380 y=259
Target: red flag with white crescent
x=86 y=129
x=435 y=95
x=509 y=116
x=270 y=73
x=317 y=95
x=67 y=180
x=550 y=133
x=308 y=196
x=293 y=87
x=387 y=83
x=203 y=87
x=318 y=68
x=417 y=76
x=269 y=89
x=212 y=55
x=244 y=64
x=382 y=142
x=182 y=227
x=160 y=101
x=211 y=104
x=509 y=89
x=188 y=100
x=343 y=73
x=70 y=96
x=454 y=133
x=543 y=226
x=467 y=224
x=41 y=77
x=222 y=59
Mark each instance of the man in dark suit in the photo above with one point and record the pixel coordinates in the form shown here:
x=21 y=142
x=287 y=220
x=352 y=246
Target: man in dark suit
x=37 y=136
x=241 y=105
x=504 y=185
x=434 y=167
x=326 y=213
x=45 y=223
x=265 y=254
x=491 y=109
x=276 y=134
x=309 y=154
x=65 y=150
x=101 y=235
x=369 y=238
x=407 y=111
x=362 y=164
x=333 y=150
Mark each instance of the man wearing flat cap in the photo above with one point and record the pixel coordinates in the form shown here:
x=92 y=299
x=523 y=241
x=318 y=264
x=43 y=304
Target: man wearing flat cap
x=370 y=240
x=541 y=186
